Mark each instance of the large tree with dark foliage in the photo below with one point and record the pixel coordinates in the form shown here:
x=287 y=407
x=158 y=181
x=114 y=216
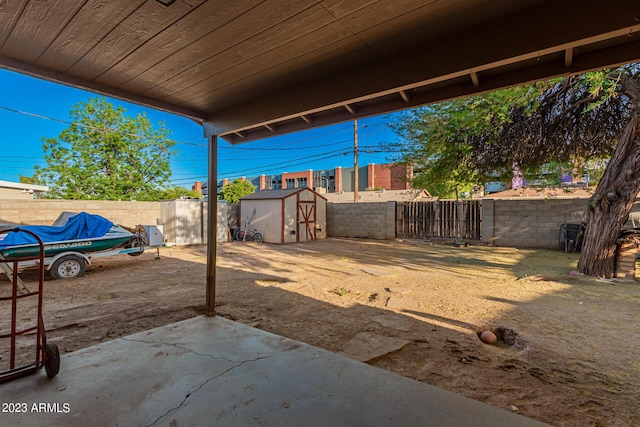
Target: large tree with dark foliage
x=613 y=199
x=582 y=117
x=571 y=120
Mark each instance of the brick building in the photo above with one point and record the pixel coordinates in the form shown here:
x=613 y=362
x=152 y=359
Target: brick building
x=372 y=176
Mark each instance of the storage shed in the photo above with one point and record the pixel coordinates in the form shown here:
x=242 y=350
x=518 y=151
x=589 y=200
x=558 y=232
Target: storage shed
x=286 y=216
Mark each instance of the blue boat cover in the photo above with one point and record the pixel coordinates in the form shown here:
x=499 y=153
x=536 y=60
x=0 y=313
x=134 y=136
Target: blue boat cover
x=80 y=226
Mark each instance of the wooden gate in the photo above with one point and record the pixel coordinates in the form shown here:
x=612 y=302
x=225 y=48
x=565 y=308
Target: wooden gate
x=421 y=220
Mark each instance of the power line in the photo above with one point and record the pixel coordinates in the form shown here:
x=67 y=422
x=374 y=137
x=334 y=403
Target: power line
x=21 y=157
x=285 y=145
x=309 y=147
x=199 y=159
x=40 y=116
x=290 y=161
x=367 y=149
x=223 y=158
x=279 y=165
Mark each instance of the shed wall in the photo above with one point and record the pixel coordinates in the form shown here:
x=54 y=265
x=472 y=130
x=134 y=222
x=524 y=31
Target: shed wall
x=291 y=219
x=267 y=220
x=321 y=218
x=279 y=220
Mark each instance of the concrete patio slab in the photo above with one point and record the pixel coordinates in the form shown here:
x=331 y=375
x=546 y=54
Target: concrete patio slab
x=210 y=371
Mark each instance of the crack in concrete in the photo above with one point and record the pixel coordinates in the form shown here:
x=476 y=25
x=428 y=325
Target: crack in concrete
x=207 y=381
x=190 y=350
x=236 y=364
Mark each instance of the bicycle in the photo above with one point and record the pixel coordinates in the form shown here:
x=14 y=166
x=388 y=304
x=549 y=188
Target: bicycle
x=252 y=233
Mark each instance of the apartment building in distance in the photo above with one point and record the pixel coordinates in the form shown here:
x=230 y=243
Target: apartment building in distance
x=371 y=177
x=386 y=176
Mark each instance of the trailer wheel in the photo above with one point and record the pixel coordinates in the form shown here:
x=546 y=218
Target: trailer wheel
x=52 y=363
x=135 y=242
x=67 y=267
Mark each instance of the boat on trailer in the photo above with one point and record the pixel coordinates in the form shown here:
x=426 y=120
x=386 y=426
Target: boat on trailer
x=70 y=243
x=79 y=232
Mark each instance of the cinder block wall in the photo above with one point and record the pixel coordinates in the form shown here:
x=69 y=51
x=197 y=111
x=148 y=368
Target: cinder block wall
x=372 y=220
x=184 y=221
x=529 y=223
x=44 y=212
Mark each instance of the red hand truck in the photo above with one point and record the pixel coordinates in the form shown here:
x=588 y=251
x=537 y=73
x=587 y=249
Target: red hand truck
x=47 y=355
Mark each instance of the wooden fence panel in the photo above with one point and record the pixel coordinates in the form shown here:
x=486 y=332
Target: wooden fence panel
x=421 y=220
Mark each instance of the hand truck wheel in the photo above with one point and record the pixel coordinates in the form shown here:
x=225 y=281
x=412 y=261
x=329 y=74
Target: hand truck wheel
x=52 y=359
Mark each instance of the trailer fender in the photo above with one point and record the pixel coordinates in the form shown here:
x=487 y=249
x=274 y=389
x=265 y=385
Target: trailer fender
x=50 y=261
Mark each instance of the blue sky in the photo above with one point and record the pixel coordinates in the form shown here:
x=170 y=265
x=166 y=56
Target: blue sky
x=32 y=109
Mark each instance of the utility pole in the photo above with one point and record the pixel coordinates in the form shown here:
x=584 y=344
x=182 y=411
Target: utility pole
x=355 y=161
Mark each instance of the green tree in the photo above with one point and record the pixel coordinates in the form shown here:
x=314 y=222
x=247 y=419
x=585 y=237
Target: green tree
x=441 y=140
x=29 y=179
x=107 y=155
x=176 y=192
x=577 y=122
x=234 y=191
x=585 y=118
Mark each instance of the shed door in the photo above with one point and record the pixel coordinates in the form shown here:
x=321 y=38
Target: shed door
x=306 y=220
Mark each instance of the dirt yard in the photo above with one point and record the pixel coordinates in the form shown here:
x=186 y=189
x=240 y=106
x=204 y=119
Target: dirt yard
x=570 y=356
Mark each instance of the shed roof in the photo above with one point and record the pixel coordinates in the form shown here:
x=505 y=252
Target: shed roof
x=277 y=194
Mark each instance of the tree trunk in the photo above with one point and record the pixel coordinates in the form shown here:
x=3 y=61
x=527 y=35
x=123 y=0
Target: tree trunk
x=611 y=203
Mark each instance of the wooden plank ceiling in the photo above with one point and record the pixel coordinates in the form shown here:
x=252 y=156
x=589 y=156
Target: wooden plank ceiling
x=249 y=69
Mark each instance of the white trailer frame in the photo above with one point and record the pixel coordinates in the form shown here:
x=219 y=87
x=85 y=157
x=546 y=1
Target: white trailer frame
x=71 y=264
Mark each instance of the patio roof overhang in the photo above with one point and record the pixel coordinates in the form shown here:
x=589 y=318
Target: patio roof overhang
x=252 y=69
